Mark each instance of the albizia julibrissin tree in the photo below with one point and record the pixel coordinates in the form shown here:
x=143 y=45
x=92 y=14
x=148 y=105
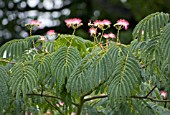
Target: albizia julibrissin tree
x=67 y=75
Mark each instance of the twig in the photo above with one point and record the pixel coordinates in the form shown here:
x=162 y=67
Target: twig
x=6 y=61
x=151 y=91
x=154 y=100
x=95 y=97
x=51 y=96
x=34 y=94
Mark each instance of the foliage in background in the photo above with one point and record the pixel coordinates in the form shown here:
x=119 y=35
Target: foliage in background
x=69 y=75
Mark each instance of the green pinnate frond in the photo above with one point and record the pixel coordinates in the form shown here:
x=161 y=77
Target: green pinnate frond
x=150 y=26
x=125 y=78
x=90 y=73
x=165 y=46
x=151 y=54
x=4 y=99
x=42 y=65
x=117 y=51
x=15 y=48
x=84 y=46
x=136 y=46
x=142 y=107
x=50 y=46
x=63 y=62
x=23 y=79
x=29 y=55
x=165 y=42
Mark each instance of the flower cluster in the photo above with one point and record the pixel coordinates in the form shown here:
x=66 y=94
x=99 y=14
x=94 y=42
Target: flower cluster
x=51 y=35
x=60 y=104
x=163 y=94
x=101 y=24
x=33 y=23
x=122 y=23
x=73 y=23
x=109 y=35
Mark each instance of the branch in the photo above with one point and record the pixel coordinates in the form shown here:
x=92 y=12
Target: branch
x=6 y=61
x=151 y=91
x=51 y=96
x=54 y=107
x=155 y=100
x=34 y=94
x=95 y=97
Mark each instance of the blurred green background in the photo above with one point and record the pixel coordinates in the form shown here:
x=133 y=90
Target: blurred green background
x=14 y=14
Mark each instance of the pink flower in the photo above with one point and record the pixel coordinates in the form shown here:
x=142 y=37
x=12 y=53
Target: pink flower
x=97 y=23
x=35 y=23
x=106 y=22
x=61 y=103
x=42 y=38
x=73 y=22
x=110 y=35
x=105 y=35
x=51 y=35
x=100 y=24
x=51 y=32
x=123 y=23
x=163 y=94
x=92 y=31
x=73 y=113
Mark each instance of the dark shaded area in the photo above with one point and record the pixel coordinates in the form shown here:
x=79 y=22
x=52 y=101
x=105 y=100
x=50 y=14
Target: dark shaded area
x=14 y=14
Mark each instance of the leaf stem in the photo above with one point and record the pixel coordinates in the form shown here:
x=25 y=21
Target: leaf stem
x=72 y=37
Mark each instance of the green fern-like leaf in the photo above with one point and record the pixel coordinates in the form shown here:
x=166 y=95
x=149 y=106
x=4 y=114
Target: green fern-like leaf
x=23 y=79
x=142 y=107
x=29 y=55
x=165 y=42
x=125 y=78
x=84 y=46
x=151 y=55
x=117 y=51
x=90 y=73
x=50 y=46
x=15 y=48
x=63 y=62
x=42 y=65
x=150 y=25
x=4 y=99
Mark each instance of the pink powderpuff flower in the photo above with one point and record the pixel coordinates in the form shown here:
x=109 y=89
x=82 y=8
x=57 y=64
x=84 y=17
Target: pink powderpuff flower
x=73 y=22
x=73 y=113
x=124 y=23
x=61 y=103
x=106 y=22
x=90 y=23
x=111 y=35
x=163 y=94
x=35 y=23
x=42 y=38
x=51 y=35
x=105 y=35
x=101 y=24
x=93 y=31
x=51 y=32
x=98 y=23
